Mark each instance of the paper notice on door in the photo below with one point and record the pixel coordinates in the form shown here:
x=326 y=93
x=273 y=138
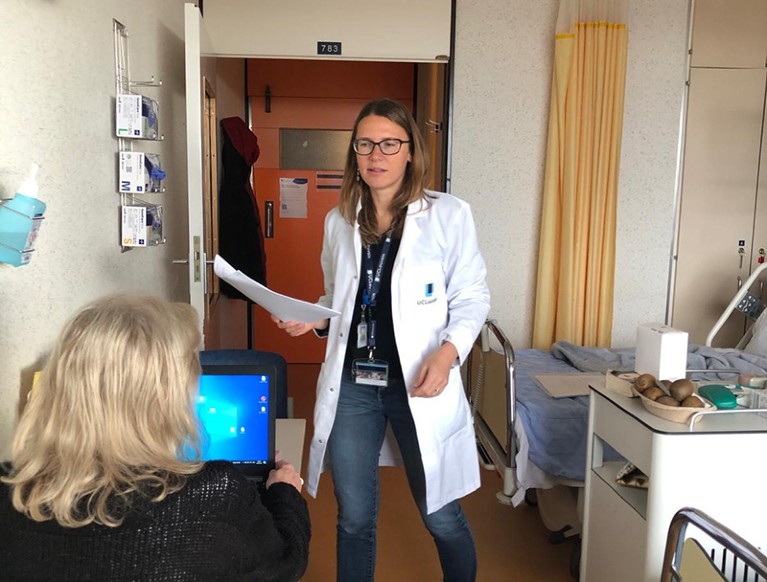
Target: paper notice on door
x=293 y=197
x=281 y=306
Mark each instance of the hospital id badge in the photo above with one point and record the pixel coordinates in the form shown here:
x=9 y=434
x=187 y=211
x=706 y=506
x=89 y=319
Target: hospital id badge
x=370 y=372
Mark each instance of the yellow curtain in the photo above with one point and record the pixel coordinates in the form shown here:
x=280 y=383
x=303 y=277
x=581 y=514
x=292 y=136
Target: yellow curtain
x=576 y=258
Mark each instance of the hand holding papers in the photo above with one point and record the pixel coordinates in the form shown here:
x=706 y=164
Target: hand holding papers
x=281 y=306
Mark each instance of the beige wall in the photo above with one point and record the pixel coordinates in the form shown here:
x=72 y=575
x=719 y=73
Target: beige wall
x=56 y=109
x=503 y=56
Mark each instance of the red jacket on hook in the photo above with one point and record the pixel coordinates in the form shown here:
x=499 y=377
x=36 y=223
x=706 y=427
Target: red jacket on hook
x=241 y=238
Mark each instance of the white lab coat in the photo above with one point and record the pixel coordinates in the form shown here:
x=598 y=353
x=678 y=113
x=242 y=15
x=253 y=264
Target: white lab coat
x=438 y=247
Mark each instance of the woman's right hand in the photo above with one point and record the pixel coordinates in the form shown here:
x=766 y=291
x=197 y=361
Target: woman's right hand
x=296 y=328
x=284 y=472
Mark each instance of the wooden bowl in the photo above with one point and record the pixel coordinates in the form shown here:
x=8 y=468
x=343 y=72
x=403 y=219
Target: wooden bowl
x=621 y=382
x=680 y=414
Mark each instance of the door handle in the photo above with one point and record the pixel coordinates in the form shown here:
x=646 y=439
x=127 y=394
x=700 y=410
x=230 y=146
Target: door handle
x=199 y=259
x=269 y=218
x=435 y=126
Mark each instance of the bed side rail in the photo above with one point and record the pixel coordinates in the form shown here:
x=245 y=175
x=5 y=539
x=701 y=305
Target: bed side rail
x=732 y=306
x=491 y=337
x=741 y=549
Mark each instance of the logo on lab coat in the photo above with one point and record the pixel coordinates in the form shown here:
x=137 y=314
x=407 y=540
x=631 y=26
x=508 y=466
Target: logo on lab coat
x=429 y=294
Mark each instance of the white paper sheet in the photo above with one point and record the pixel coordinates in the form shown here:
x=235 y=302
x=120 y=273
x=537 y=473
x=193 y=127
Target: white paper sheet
x=281 y=306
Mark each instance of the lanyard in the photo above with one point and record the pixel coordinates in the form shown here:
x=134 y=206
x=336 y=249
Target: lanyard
x=372 y=288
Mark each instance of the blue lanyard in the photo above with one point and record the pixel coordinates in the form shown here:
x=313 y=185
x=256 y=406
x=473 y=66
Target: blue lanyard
x=373 y=287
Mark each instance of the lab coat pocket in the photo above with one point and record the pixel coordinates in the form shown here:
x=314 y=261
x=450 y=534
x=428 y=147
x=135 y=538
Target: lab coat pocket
x=450 y=409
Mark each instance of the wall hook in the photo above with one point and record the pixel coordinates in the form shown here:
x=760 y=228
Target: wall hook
x=268 y=100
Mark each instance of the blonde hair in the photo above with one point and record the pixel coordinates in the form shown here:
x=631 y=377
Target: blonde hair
x=355 y=191
x=114 y=413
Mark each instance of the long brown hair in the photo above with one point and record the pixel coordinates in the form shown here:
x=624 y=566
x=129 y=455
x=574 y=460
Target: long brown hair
x=355 y=191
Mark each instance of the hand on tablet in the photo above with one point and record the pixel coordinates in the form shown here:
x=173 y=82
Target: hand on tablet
x=284 y=472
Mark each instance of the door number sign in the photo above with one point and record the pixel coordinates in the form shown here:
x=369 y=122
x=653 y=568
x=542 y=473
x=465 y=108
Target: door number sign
x=329 y=48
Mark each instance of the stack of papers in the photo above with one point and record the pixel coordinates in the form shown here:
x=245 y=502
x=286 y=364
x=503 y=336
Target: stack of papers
x=281 y=306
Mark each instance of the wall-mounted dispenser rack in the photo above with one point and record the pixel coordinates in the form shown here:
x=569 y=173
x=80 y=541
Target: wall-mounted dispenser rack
x=137 y=120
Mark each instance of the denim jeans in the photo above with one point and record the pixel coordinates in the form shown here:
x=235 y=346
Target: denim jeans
x=354 y=446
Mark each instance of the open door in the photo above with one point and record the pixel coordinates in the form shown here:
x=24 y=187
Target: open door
x=201 y=168
x=430 y=115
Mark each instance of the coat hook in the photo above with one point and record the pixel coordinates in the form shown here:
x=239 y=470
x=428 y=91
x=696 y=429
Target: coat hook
x=268 y=100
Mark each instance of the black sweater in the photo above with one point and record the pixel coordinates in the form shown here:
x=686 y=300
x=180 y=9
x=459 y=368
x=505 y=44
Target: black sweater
x=218 y=527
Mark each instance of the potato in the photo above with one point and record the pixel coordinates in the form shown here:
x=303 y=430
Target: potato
x=692 y=402
x=653 y=393
x=681 y=389
x=667 y=400
x=643 y=382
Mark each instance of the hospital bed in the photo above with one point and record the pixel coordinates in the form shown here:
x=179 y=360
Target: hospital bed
x=537 y=443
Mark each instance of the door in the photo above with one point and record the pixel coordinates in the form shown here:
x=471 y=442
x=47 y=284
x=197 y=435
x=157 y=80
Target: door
x=303 y=129
x=198 y=44
x=201 y=165
x=430 y=114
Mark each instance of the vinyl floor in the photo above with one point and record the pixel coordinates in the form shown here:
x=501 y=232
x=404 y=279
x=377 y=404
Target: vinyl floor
x=512 y=543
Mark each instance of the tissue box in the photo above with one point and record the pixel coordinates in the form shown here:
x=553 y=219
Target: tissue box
x=661 y=351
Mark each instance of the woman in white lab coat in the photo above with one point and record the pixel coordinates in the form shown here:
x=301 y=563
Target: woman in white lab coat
x=402 y=266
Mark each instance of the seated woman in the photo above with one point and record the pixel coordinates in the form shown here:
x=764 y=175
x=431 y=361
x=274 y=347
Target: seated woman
x=101 y=486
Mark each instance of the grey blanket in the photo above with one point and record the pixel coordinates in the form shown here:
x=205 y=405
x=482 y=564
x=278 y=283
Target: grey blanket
x=718 y=363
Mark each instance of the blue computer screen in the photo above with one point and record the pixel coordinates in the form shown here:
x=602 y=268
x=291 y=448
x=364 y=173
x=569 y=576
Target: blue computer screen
x=234 y=413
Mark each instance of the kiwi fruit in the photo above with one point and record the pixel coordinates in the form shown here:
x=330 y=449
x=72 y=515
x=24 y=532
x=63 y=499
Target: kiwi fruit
x=681 y=389
x=667 y=400
x=692 y=402
x=643 y=382
x=653 y=393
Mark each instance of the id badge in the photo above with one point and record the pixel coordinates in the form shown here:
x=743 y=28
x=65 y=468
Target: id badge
x=362 y=335
x=370 y=372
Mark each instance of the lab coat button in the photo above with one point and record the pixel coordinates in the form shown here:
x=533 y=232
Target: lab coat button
x=332 y=389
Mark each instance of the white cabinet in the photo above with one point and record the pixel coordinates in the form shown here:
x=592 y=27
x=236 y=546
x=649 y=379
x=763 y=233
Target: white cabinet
x=718 y=468
x=399 y=30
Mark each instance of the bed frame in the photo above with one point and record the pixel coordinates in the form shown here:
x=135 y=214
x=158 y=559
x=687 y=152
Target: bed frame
x=495 y=413
x=492 y=364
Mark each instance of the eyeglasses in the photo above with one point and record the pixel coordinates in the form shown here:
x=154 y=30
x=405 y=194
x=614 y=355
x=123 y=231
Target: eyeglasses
x=388 y=147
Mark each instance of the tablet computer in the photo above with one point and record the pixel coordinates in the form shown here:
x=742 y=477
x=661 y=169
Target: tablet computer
x=236 y=407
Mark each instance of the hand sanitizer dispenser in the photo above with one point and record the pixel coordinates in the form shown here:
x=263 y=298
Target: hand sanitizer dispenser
x=20 y=219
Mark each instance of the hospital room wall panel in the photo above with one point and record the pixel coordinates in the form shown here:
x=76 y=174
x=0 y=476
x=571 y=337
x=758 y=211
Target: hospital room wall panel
x=724 y=130
x=729 y=34
x=722 y=196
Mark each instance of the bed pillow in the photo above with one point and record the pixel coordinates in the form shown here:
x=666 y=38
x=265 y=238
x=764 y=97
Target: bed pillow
x=758 y=342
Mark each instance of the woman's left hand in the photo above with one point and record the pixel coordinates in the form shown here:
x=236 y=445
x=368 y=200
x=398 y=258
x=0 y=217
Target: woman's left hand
x=433 y=375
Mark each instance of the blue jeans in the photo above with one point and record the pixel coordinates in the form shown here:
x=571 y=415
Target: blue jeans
x=354 y=446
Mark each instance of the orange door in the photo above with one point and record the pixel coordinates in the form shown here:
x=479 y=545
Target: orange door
x=307 y=95
x=293 y=261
